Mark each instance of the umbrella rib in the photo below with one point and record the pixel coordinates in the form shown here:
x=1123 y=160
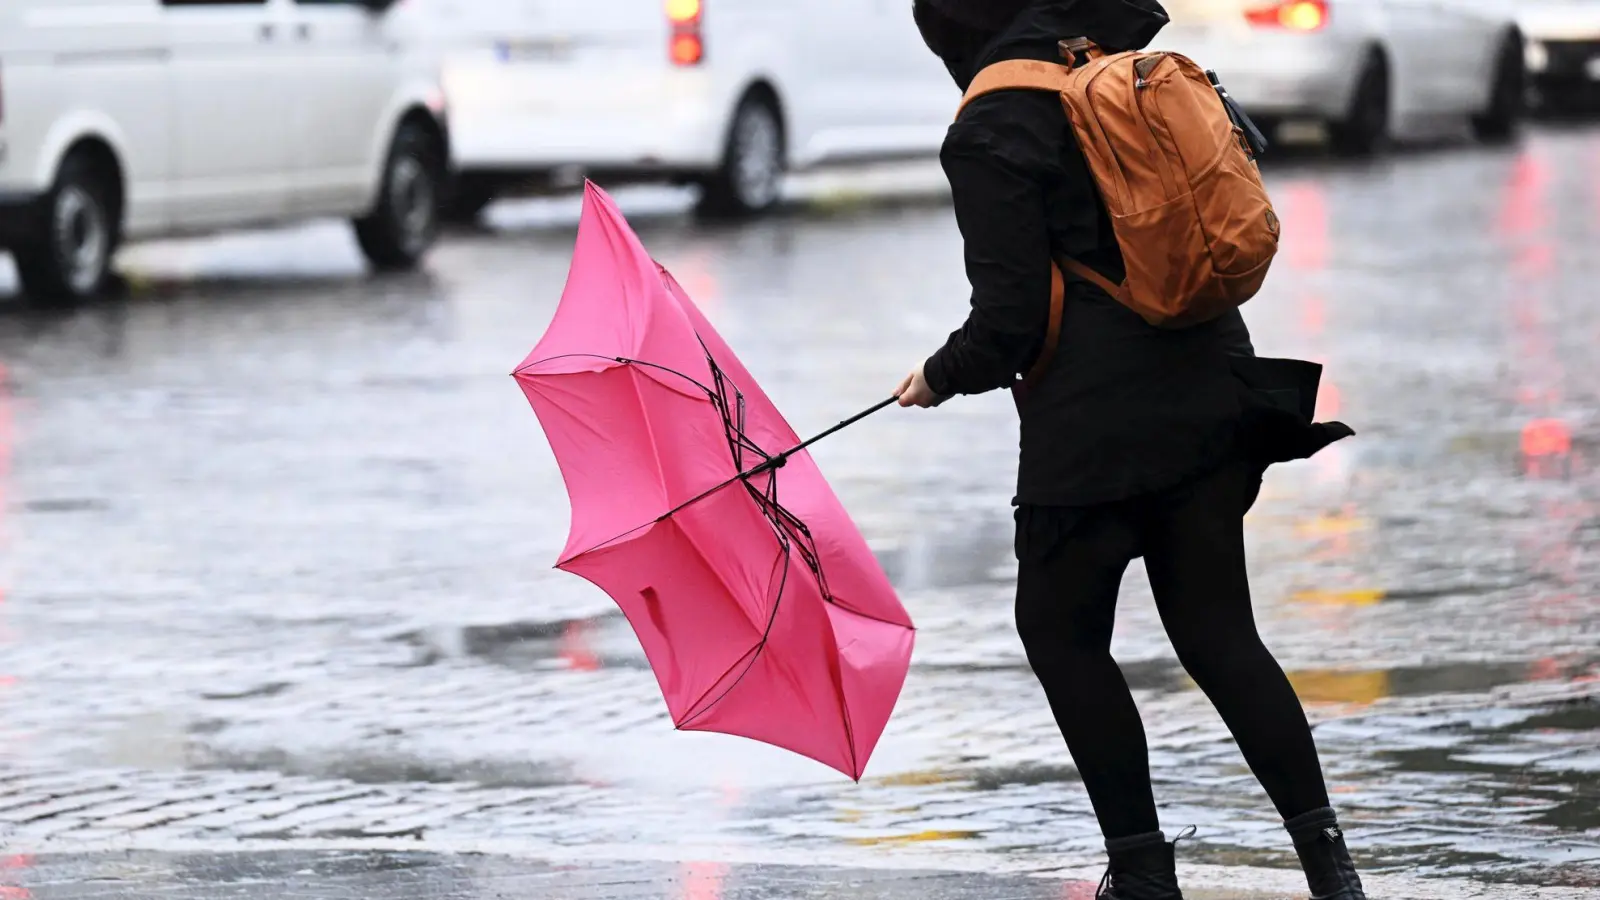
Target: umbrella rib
x=793 y=534
x=623 y=360
x=711 y=395
x=736 y=439
x=755 y=653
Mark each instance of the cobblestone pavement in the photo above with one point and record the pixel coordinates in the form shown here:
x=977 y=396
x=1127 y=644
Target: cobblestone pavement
x=279 y=536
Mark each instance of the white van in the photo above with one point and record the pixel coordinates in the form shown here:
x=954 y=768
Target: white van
x=143 y=118
x=724 y=93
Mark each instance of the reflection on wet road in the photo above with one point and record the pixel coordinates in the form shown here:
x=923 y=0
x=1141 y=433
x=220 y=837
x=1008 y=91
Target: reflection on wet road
x=272 y=516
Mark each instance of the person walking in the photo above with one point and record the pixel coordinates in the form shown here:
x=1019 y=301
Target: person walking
x=1136 y=441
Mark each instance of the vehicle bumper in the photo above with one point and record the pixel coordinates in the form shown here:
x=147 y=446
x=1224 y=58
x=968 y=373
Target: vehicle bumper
x=1277 y=75
x=18 y=217
x=531 y=121
x=1564 y=71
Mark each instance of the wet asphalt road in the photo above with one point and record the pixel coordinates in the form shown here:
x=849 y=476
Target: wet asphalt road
x=421 y=876
x=279 y=540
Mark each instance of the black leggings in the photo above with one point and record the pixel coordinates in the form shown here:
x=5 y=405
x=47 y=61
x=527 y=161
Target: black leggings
x=1192 y=541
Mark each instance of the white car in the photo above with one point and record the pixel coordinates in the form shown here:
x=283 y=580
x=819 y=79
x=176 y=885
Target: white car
x=144 y=118
x=727 y=94
x=1563 y=51
x=1369 y=69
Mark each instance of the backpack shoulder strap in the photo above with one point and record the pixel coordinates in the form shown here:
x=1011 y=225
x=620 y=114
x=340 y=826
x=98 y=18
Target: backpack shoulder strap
x=1059 y=269
x=1052 y=333
x=1015 y=75
x=1033 y=75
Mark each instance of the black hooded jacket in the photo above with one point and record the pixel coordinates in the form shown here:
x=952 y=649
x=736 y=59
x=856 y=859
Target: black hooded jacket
x=1126 y=409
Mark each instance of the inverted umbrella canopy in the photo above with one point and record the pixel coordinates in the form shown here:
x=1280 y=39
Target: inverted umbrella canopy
x=697 y=509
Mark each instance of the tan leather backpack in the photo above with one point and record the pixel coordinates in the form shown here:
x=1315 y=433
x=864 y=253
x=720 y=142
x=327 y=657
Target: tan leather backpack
x=1191 y=215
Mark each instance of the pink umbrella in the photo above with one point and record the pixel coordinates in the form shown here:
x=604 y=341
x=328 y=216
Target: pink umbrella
x=698 y=509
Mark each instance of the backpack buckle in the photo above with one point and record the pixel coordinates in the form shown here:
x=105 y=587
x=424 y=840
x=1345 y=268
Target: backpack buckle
x=1077 y=51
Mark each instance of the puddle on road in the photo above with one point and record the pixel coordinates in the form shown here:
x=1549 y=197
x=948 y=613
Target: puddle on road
x=376 y=768
x=584 y=645
x=608 y=642
x=1369 y=686
x=67 y=505
x=1500 y=794
x=991 y=778
x=920 y=837
x=1364 y=686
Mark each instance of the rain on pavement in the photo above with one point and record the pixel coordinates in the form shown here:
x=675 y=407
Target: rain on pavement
x=279 y=539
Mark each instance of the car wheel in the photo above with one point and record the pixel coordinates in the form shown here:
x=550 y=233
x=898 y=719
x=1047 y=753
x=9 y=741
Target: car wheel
x=1508 y=96
x=78 y=227
x=405 y=221
x=468 y=199
x=751 y=177
x=1365 y=127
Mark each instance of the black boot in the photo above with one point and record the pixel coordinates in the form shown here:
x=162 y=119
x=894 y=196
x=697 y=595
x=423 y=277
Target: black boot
x=1320 y=843
x=1143 y=867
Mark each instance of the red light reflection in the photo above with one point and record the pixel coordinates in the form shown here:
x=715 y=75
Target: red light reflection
x=1078 y=890
x=702 y=881
x=1308 y=239
x=1524 y=210
x=696 y=272
x=1546 y=669
x=14 y=863
x=575 y=649
x=1304 y=211
x=1524 y=225
x=1546 y=437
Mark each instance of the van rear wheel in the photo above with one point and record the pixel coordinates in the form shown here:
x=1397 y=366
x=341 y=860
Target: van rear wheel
x=1365 y=128
x=405 y=221
x=750 y=179
x=468 y=199
x=78 y=228
x=1508 y=98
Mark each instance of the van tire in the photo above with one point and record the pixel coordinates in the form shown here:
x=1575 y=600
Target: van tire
x=1365 y=128
x=469 y=197
x=405 y=221
x=79 y=224
x=750 y=179
x=1508 y=96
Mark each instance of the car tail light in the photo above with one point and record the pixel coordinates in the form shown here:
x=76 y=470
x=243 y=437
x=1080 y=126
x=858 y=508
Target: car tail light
x=1295 y=15
x=687 y=45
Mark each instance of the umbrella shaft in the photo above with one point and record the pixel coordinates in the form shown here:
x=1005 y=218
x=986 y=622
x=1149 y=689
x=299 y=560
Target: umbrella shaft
x=778 y=461
x=841 y=426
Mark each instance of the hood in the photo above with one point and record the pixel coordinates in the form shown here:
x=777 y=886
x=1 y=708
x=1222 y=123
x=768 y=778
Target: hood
x=969 y=35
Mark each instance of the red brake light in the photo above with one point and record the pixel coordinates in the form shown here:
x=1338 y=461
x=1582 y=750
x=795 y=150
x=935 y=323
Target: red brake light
x=1295 y=15
x=687 y=49
x=687 y=46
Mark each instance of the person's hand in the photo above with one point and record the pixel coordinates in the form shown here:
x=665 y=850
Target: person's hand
x=914 y=391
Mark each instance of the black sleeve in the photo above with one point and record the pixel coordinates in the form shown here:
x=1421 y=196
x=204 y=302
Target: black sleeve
x=998 y=159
